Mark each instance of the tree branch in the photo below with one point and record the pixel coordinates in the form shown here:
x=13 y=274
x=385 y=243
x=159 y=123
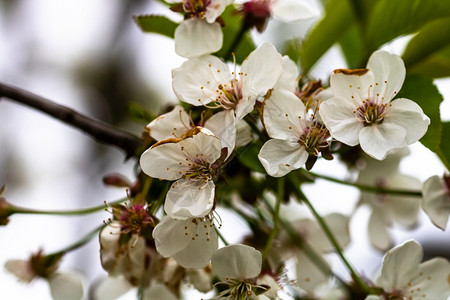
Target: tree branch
x=101 y=132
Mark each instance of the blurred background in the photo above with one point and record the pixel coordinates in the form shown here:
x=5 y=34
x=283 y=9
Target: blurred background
x=89 y=55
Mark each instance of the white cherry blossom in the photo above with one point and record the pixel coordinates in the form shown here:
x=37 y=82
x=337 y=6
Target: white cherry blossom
x=403 y=276
x=388 y=209
x=238 y=265
x=189 y=161
x=207 y=80
x=295 y=135
x=190 y=242
x=200 y=34
x=361 y=111
x=436 y=199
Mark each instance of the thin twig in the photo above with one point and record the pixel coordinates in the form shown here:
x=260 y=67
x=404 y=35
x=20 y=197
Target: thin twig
x=101 y=132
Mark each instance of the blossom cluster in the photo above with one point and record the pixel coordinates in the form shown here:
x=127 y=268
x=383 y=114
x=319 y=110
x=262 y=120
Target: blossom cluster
x=160 y=245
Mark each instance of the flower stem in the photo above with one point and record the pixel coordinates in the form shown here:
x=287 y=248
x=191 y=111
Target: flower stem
x=365 y=188
x=80 y=242
x=22 y=210
x=222 y=238
x=329 y=234
x=300 y=242
x=276 y=217
x=236 y=41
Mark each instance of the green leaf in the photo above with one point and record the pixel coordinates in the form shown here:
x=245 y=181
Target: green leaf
x=444 y=151
x=338 y=18
x=156 y=24
x=248 y=156
x=293 y=48
x=392 y=18
x=352 y=47
x=431 y=38
x=436 y=66
x=231 y=31
x=425 y=93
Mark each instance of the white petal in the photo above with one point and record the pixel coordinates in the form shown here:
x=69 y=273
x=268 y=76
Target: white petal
x=436 y=201
x=352 y=88
x=195 y=37
x=400 y=265
x=244 y=133
x=405 y=210
x=66 y=286
x=170 y=236
x=245 y=106
x=284 y=115
x=237 y=262
x=387 y=68
x=263 y=67
x=197 y=80
x=215 y=9
x=378 y=140
x=373 y=297
x=158 y=290
x=308 y=275
x=223 y=125
x=337 y=115
x=377 y=229
x=432 y=280
x=279 y=157
x=204 y=242
x=109 y=243
x=289 y=77
x=170 y=125
x=410 y=116
x=201 y=278
x=293 y=10
x=21 y=269
x=163 y=161
x=111 y=288
x=338 y=225
x=189 y=199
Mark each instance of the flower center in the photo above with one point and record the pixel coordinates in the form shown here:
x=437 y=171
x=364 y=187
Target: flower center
x=229 y=96
x=134 y=219
x=240 y=290
x=196 y=8
x=200 y=170
x=371 y=112
x=314 y=138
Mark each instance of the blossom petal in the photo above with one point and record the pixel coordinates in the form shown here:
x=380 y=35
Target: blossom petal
x=111 y=288
x=352 y=88
x=173 y=158
x=389 y=71
x=237 y=262
x=223 y=125
x=284 y=115
x=66 y=286
x=195 y=37
x=377 y=229
x=410 y=116
x=436 y=201
x=337 y=115
x=170 y=236
x=200 y=249
x=158 y=290
x=338 y=224
x=378 y=140
x=309 y=276
x=245 y=106
x=21 y=269
x=244 y=133
x=170 y=125
x=400 y=265
x=405 y=209
x=215 y=9
x=432 y=280
x=188 y=199
x=290 y=75
x=197 y=80
x=261 y=70
x=279 y=157
x=293 y=10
